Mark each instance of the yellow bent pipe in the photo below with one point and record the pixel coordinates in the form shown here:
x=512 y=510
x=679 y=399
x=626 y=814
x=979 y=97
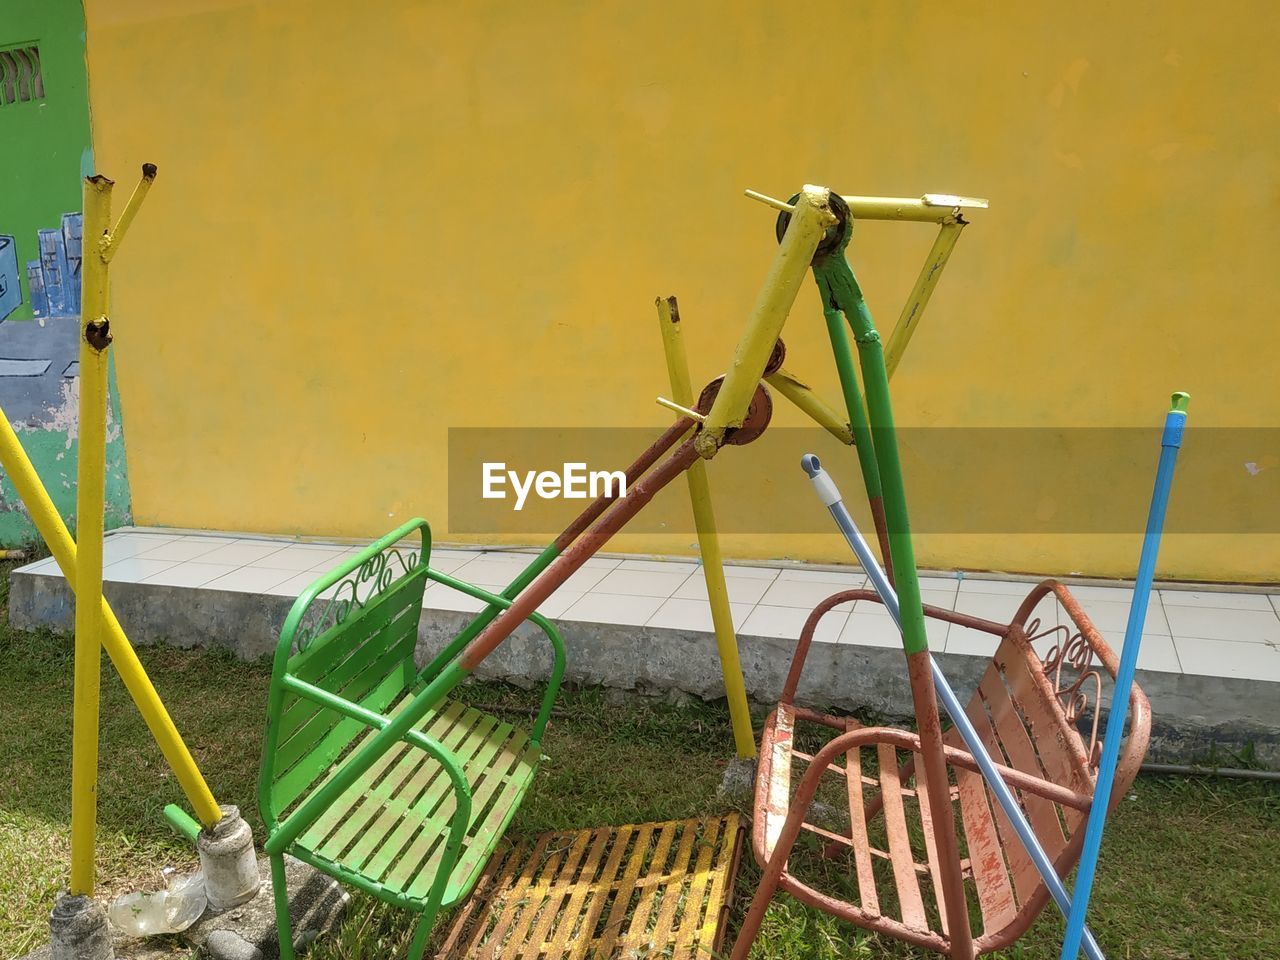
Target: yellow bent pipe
x=18 y=468
x=931 y=208
x=812 y=405
x=788 y=271
x=928 y=279
x=704 y=519
x=95 y=625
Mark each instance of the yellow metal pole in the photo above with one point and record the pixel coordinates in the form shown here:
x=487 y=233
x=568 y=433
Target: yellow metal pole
x=130 y=210
x=931 y=208
x=802 y=395
x=95 y=336
x=92 y=614
x=790 y=267
x=18 y=468
x=930 y=273
x=704 y=519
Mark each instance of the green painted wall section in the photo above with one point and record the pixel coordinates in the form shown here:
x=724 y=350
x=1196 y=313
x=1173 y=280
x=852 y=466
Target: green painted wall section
x=45 y=147
x=45 y=151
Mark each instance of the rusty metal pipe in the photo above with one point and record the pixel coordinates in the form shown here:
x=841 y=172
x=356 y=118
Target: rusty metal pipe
x=544 y=559
x=933 y=764
x=574 y=556
x=634 y=472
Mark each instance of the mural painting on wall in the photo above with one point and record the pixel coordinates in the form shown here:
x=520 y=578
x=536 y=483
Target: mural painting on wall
x=45 y=152
x=38 y=364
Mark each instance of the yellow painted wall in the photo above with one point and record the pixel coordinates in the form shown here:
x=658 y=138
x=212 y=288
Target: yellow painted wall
x=378 y=220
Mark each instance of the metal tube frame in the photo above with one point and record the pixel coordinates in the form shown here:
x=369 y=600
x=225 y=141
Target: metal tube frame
x=704 y=519
x=18 y=468
x=90 y=492
x=96 y=626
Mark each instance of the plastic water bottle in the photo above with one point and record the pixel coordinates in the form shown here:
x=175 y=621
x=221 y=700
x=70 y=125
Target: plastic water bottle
x=171 y=910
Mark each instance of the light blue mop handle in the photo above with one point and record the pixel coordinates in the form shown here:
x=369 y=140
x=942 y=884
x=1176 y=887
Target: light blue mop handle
x=830 y=496
x=1174 y=422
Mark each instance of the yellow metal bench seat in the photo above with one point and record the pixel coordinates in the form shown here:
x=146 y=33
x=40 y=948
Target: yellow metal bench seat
x=387 y=832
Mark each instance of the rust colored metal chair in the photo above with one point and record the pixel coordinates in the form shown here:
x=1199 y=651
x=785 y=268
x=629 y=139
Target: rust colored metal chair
x=1031 y=712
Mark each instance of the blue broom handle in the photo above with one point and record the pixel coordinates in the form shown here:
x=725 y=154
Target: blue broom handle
x=1174 y=422
x=830 y=495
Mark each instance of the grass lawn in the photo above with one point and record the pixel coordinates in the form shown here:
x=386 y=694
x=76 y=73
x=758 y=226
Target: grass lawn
x=1190 y=868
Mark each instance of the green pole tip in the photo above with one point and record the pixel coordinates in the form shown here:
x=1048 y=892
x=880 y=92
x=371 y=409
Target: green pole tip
x=1179 y=402
x=182 y=822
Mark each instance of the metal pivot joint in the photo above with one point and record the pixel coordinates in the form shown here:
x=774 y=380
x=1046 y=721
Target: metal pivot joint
x=836 y=236
x=97 y=333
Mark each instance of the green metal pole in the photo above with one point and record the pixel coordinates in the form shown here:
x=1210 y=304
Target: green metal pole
x=840 y=291
x=839 y=337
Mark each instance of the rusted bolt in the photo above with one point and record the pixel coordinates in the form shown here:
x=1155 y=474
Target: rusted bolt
x=97 y=333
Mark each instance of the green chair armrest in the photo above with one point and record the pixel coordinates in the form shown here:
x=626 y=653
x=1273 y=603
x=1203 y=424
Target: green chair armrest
x=545 y=625
x=310 y=810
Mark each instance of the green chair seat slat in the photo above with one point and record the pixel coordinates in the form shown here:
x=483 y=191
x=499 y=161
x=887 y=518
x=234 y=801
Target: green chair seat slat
x=485 y=817
x=291 y=785
x=432 y=814
x=336 y=816
x=398 y=764
x=484 y=836
x=402 y=813
x=373 y=854
x=430 y=840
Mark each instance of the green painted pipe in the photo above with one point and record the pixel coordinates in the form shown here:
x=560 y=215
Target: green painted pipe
x=853 y=400
x=182 y=822
x=840 y=291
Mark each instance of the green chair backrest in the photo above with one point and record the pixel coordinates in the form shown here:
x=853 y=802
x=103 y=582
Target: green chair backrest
x=357 y=642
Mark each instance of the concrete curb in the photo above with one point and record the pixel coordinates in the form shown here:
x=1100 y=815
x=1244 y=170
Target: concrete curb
x=1192 y=714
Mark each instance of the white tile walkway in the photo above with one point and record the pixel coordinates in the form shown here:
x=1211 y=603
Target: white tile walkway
x=1206 y=632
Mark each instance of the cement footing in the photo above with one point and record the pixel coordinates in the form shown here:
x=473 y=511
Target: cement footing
x=738 y=783
x=78 y=929
x=230 y=867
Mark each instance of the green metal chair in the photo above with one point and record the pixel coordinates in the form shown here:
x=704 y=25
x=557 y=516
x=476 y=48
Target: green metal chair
x=369 y=773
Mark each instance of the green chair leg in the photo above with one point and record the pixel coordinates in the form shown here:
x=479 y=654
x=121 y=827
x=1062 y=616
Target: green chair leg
x=421 y=934
x=280 y=890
